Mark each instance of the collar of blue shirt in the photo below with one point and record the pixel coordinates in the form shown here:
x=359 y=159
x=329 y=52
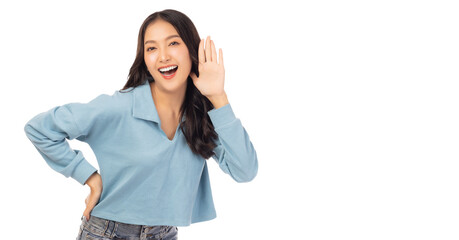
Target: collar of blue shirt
x=144 y=105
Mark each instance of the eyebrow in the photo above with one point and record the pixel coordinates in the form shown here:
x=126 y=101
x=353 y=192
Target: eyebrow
x=171 y=36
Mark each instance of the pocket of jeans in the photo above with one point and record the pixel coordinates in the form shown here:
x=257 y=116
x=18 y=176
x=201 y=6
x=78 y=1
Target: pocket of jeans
x=94 y=229
x=88 y=235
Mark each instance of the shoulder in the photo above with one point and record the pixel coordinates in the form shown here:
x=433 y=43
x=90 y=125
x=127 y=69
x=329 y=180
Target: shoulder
x=119 y=99
x=103 y=105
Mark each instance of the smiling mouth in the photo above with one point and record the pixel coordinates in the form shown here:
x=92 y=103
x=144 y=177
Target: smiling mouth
x=168 y=71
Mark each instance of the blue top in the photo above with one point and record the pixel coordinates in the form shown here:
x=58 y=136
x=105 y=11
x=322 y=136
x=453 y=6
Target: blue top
x=147 y=178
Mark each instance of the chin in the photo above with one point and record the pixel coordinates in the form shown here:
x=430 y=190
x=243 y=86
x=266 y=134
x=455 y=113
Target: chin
x=171 y=84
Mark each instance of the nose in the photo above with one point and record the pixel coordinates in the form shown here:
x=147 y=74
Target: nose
x=164 y=56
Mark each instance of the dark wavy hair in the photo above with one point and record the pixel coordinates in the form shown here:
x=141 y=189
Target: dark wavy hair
x=197 y=127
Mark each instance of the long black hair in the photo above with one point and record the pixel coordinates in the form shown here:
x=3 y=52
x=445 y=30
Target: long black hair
x=197 y=128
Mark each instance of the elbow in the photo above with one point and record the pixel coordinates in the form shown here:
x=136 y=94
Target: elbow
x=32 y=133
x=245 y=179
x=249 y=174
x=27 y=129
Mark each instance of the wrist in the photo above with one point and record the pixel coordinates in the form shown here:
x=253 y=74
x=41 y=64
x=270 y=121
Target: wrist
x=94 y=181
x=219 y=100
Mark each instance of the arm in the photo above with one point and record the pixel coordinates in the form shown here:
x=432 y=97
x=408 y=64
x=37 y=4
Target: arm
x=49 y=130
x=234 y=152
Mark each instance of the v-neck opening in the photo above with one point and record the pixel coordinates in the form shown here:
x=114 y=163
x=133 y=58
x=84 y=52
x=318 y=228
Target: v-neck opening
x=165 y=135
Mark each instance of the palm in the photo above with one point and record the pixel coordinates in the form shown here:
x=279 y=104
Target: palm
x=211 y=73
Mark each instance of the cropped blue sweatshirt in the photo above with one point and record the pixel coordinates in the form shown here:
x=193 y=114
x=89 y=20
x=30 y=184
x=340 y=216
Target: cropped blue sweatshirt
x=147 y=178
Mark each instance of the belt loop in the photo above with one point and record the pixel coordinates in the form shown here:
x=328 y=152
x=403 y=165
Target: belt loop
x=142 y=232
x=106 y=226
x=114 y=230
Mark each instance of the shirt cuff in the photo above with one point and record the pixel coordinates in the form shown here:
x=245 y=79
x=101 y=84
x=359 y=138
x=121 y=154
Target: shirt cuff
x=221 y=116
x=83 y=171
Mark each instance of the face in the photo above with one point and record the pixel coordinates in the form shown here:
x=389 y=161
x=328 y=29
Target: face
x=166 y=56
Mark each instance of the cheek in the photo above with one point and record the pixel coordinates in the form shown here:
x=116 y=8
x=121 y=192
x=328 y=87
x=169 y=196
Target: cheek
x=184 y=57
x=150 y=59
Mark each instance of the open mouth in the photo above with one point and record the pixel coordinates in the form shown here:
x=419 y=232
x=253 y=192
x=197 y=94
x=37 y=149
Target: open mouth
x=168 y=71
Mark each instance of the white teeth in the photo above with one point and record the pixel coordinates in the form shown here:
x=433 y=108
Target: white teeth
x=167 y=69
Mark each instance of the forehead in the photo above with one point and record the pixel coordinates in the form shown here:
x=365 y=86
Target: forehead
x=159 y=29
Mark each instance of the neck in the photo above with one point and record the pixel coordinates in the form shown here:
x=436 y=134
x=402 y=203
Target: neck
x=168 y=101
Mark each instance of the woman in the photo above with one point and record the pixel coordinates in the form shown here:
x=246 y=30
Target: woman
x=153 y=177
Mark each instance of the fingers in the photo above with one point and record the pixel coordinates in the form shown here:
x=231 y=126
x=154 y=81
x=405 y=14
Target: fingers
x=86 y=215
x=91 y=202
x=209 y=53
x=220 y=59
x=208 y=50
x=214 y=52
x=202 y=57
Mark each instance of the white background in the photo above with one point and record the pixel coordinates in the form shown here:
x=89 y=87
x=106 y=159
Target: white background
x=352 y=107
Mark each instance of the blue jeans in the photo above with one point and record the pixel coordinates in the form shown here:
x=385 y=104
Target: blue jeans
x=104 y=229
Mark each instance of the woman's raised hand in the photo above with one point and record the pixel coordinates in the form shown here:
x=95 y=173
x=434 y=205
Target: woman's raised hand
x=211 y=72
x=95 y=184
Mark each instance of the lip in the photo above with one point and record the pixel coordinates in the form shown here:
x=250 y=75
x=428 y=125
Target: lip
x=171 y=76
x=168 y=77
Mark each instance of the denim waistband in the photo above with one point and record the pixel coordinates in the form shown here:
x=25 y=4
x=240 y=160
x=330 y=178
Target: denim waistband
x=109 y=228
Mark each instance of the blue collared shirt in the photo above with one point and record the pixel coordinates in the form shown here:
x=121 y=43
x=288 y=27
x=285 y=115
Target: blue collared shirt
x=147 y=178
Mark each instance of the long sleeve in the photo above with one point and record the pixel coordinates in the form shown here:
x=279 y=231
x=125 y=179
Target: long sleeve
x=49 y=130
x=234 y=152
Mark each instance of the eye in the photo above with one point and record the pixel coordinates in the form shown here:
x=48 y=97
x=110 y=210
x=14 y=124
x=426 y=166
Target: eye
x=152 y=48
x=174 y=42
